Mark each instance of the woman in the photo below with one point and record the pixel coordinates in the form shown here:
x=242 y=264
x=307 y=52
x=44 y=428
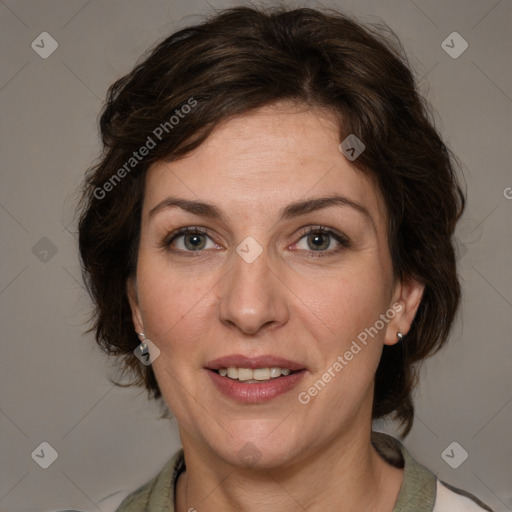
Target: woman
x=268 y=243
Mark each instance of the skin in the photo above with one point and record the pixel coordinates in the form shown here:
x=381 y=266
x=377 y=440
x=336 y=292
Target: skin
x=200 y=305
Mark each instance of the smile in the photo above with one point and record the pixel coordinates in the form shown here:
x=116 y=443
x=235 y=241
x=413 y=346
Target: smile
x=253 y=380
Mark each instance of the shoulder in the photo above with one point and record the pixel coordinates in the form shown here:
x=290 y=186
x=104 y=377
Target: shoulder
x=451 y=499
x=421 y=490
x=138 y=499
x=158 y=493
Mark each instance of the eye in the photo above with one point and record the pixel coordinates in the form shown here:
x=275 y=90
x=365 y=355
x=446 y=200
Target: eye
x=189 y=239
x=320 y=240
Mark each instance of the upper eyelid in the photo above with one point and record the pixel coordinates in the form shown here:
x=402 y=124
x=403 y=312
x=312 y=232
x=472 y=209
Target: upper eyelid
x=318 y=227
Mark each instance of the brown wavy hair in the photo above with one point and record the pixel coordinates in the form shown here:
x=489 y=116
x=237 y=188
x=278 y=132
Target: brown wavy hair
x=241 y=59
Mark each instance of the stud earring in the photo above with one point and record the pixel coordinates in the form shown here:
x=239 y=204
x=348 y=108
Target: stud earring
x=143 y=345
x=400 y=336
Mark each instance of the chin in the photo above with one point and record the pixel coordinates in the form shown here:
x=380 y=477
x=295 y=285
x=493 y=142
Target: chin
x=257 y=451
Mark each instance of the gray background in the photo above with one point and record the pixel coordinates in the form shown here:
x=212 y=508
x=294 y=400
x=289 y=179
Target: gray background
x=53 y=380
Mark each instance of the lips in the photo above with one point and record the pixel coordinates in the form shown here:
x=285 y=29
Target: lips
x=234 y=376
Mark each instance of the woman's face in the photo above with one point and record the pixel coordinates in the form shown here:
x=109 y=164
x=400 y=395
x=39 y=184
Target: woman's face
x=255 y=285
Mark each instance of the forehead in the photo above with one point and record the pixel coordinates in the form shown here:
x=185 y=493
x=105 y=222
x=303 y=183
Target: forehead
x=271 y=156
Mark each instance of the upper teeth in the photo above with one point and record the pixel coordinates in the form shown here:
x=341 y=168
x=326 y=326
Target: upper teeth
x=256 y=374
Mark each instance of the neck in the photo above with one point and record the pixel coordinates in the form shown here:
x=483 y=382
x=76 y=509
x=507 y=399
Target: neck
x=346 y=475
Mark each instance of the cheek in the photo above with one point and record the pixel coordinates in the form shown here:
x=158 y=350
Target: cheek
x=171 y=302
x=348 y=346
x=341 y=310
x=347 y=301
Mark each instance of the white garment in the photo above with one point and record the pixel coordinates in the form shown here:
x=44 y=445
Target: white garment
x=449 y=501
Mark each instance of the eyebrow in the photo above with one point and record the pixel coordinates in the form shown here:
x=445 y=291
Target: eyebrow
x=292 y=210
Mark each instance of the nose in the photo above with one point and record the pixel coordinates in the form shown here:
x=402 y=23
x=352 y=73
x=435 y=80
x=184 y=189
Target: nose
x=253 y=298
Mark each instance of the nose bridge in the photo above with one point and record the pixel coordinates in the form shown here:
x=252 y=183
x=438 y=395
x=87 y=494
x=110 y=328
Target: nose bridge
x=252 y=296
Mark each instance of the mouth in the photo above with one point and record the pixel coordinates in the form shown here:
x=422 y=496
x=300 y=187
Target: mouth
x=254 y=380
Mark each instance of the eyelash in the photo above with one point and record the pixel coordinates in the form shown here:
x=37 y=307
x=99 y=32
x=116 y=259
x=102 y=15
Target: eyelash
x=341 y=239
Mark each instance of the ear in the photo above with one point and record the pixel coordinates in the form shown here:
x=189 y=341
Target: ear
x=133 y=299
x=406 y=301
